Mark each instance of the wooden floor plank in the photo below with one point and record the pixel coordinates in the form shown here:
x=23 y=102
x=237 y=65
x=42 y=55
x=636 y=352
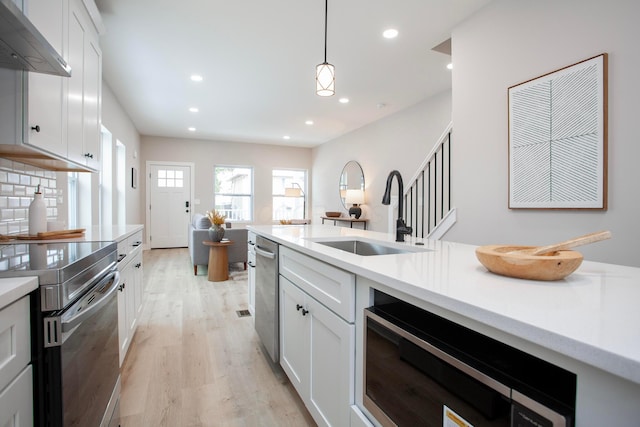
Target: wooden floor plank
x=194 y=362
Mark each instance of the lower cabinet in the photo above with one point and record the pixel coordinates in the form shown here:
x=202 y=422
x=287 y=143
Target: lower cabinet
x=16 y=378
x=130 y=295
x=316 y=353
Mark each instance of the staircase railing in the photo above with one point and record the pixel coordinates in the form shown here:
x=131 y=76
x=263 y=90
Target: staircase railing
x=427 y=198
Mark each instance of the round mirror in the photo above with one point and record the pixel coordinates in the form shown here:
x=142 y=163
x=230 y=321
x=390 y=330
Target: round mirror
x=352 y=178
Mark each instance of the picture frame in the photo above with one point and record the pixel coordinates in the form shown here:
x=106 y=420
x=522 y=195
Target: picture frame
x=134 y=178
x=558 y=138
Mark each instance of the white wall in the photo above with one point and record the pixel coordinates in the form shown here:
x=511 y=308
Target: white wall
x=121 y=127
x=205 y=154
x=400 y=141
x=511 y=41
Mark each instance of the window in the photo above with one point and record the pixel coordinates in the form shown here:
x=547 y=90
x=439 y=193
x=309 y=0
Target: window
x=289 y=194
x=233 y=195
x=106 y=178
x=170 y=178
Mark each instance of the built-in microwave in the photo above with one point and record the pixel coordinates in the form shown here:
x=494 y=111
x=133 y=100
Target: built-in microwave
x=423 y=370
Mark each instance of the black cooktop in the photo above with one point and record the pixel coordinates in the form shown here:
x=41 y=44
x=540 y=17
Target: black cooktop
x=53 y=262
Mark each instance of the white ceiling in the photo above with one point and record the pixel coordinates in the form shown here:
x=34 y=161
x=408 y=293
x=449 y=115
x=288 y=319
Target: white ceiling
x=258 y=61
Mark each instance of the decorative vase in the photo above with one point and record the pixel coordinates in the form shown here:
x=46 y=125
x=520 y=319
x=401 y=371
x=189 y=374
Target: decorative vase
x=216 y=233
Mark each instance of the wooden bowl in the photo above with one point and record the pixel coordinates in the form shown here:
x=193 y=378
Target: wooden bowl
x=500 y=259
x=333 y=214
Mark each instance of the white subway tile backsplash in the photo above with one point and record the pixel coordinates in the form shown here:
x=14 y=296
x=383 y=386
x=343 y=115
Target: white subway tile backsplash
x=18 y=183
x=13 y=178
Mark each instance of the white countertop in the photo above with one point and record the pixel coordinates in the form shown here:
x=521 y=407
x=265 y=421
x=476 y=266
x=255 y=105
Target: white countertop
x=13 y=289
x=112 y=233
x=591 y=316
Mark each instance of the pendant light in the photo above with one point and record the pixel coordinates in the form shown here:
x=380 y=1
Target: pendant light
x=325 y=72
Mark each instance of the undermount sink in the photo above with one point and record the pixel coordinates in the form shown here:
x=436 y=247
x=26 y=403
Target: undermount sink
x=360 y=247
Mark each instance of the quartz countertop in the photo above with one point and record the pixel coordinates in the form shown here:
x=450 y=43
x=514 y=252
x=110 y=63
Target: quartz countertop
x=590 y=316
x=111 y=233
x=12 y=289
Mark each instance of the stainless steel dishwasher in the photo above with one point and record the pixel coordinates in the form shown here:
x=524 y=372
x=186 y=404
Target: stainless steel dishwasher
x=267 y=294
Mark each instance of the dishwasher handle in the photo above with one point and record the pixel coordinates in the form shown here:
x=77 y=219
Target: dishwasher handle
x=266 y=254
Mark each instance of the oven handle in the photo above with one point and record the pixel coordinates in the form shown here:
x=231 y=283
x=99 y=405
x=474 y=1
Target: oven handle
x=114 y=276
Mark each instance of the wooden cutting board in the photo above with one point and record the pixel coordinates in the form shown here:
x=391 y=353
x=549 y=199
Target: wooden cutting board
x=50 y=235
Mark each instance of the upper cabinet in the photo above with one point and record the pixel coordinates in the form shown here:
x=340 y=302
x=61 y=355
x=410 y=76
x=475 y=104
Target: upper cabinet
x=84 y=93
x=44 y=95
x=59 y=124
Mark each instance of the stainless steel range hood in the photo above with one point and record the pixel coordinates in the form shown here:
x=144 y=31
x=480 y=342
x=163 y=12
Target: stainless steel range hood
x=22 y=47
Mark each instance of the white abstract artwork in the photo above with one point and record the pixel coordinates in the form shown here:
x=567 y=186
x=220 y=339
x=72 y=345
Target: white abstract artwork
x=558 y=139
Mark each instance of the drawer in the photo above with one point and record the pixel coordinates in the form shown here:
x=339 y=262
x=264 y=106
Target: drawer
x=134 y=241
x=15 y=340
x=333 y=287
x=16 y=401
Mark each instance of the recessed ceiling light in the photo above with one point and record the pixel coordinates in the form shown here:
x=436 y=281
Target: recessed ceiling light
x=343 y=100
x=390 y=33
x=450 y=66
x=196 y=78
x=286 y=137
x=308 y=122
x=194 y=109
x=191 y=129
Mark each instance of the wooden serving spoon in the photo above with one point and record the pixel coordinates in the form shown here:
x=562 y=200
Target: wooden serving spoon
x=567 y=244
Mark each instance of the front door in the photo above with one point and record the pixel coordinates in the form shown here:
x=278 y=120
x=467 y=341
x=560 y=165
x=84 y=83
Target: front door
x=169 y=205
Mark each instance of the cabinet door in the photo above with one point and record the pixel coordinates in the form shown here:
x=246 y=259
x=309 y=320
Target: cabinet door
x=125 y=310
x=84 y=95
x=75 y=106
x=139 y=285
x=92 y=103
x=16 y=401
x=294 y=337
x=251 y=279
x=331 y=374
x=46 y=100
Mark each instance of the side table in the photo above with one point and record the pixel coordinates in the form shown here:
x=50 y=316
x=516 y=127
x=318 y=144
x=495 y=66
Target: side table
x=218 y=260
x=345 y=219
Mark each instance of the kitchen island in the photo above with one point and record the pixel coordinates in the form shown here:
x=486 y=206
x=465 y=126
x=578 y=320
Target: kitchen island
x=587 y=323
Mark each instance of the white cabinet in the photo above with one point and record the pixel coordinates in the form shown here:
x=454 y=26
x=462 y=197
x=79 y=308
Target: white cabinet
x=130 y=296
x=16 y=383
x=251 y=273
x=84 y=92
x=317 y=346
x=45 y=96
x=57 y=116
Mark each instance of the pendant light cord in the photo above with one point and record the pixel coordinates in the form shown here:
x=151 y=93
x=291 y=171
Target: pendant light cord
x=326 y=11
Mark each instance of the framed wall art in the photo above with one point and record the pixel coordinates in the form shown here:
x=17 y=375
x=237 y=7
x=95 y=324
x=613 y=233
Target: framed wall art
x=558 y=139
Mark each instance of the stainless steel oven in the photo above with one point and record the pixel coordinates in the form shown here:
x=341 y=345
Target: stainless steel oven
x=423 y=370
x=74 y=329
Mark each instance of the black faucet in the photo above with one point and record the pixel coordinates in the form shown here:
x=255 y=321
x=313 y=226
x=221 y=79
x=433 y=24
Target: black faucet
x=401 y=227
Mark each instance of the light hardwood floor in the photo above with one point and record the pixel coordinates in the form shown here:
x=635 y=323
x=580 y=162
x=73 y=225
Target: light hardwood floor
x=194 y=362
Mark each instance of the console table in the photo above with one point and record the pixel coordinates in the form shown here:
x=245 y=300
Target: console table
x=218 y=269
x=345 y=219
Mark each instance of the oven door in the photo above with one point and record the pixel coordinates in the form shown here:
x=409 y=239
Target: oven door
x=409 y=382
x=82 y=374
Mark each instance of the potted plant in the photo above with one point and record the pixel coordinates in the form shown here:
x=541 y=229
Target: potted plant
x=216 y=232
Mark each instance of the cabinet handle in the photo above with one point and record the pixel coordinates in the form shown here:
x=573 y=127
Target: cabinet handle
x=36 y=128
x=89 y=155
x=138 y=265
x=121 y=257
x=304 y=312
x=298 y=307
x=121 y=287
